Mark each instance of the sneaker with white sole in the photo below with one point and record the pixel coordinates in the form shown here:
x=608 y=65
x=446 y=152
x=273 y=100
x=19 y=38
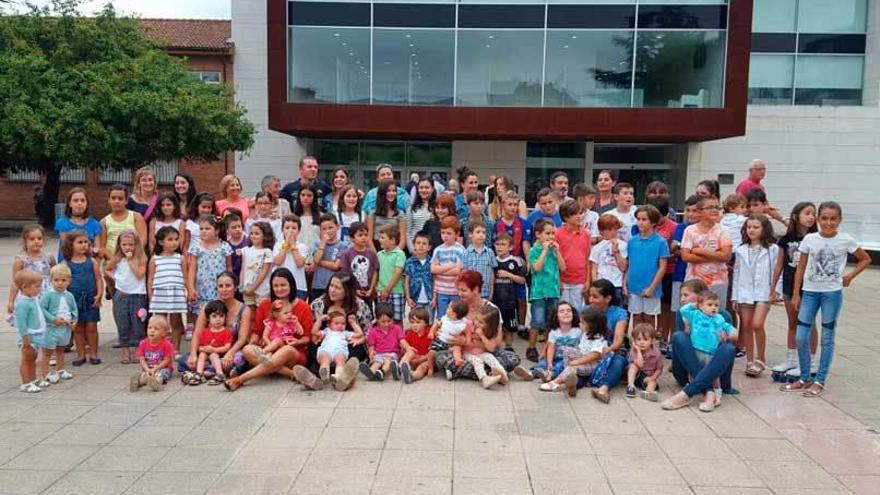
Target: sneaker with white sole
x=44 y=383
x=53 y=377
x=65 y=375
x=188 y=333
x=550 y=387
x=789 y=363
x=395 y=370
x=449 y=376
x=30 y=388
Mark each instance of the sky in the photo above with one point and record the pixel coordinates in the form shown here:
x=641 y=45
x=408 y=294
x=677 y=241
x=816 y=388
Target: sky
x=173 y=9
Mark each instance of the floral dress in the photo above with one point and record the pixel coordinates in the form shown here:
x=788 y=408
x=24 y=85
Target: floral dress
x=209 y=264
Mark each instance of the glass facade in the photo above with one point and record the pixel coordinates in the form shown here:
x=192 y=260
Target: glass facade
x=522 y=53
x=807 y=52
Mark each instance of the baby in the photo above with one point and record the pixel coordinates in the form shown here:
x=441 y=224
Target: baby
x=282 y=328
x=334 y=341
x=645 y=363
x=452 y=325
x=154 y=354
x=707 y=327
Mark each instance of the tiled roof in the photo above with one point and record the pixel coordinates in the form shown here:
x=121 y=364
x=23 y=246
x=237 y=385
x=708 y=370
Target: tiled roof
x=189 y=34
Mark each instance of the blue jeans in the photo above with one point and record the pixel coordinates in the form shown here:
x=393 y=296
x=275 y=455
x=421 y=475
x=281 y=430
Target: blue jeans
x=703 y=376
x=681 y=373
x=811 y=302
x=443 y=301
x=130 y=328
x=540 y=309
x=612 y=376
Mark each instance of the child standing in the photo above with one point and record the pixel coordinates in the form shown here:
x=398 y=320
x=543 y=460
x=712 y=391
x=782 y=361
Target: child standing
x=326 y=257
x=706 y=248
x=565 y=333
x=446 y=263
x=801 y=223
x=546 y=264
x=624 y=196
x=753 y=289
x=647 y=253
x=31 y=258
x=361 y=262
x=349 y=212
x=207 y=257
x=155 y=355
x=585 y=195
x=645 y=364
x=214 y=341
x=256 y=262
x=335 y=340
x=520 y=232
x=128 y=270
x=691 y=215
x=308 y=210
x=165 y=283
x=418 y=284
x=486 y=328
x=547 y=209
x=819 y=283
x=509 y=277
x=59 y=307
x=418 y=358
x=292 y=254
x=31 y=325
x=87 y=287
x=574 y=247
x=480 y=258
x=477 y=216
x=387 y=215
x=202 y=205
x=167 y=215
x=391 y=262
x=237 y=239
x=118 y=220
x=580 y=360
x=384 y=341
x=608 y=258
x=736 y=208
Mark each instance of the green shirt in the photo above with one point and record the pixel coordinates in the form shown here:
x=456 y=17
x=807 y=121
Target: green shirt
x=388 y=261
x=545 y=283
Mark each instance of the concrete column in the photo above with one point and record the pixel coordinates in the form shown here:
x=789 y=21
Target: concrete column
x=871 y=83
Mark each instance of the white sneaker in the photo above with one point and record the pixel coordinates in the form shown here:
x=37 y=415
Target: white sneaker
x=44 y=383
x=449 y=376
x=65 y=375
x=53 y=378
x=789 y=363
x=30 y=388
x=718 y=393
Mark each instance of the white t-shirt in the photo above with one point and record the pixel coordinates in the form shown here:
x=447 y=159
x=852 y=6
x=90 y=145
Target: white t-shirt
x=591 y=223
x=628 y=219
x=451 y=328
x=827 y=260
x=253 y=260
x=299 y=273
x=589 y=345
x=606 y=263
x=63 y=311
x=732 y=224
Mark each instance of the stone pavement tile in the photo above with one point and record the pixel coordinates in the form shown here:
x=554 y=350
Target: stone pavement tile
x=252 y=484
x=239 y=416
x=528 y=396
x=114 y=414
x=26 y=482
x=487 y=441
x=187 y=397
x=144 y=396
x=261 y=459
x=556 y=443
x=686 y=448
x=209 y=436
x=366 y=462
x=305 y=438
x=352 y=438
x=125 y=459
x=325 y=482
x=762 y=449
x=301 y=397
x=463 y=485
x=361 y=418
x=184 y=458
x=182 y=483
x=537 y=422
x=652 y=470
x=25 y=434
x=370 y=395
x=585 y=405
x=9 y=451
x=625 y=425
x=793 y=474
x=93 y=483
x=503 y=420
x=569 y=466
x=55 y=457
x=52 y=413
x=470 y=397
x=861 y=485
x=853 y=452
x=423 y=418
x=406 y=485
x=430 y=393
x=654 y=489
x=482 y=463
x=790 y=411
x=174 y=416
x=10 y=409
x=424 y=463
x=675 y=424
x=300 y=417
x=555 y=487
x=152 y=436
x=634 y=445
x=77 y=434
x=729 y=473
x=726 y=490
x=752 y=427
x=419 y=439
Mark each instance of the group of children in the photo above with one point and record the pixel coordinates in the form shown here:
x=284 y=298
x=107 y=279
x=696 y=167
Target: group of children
x=543 y=264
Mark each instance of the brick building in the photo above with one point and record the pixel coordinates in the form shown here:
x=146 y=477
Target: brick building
x=209 y=55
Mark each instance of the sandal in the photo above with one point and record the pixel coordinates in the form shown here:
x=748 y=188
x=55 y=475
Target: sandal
x=601 y=397
x=798 y=386
x=815 y=390
x=95 y=361
x=232 y=384
x=752 y=369
x=197 y=379
x=79 y=362
x=550 y=387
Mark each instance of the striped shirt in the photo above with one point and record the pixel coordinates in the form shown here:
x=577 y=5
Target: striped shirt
x=446 y=255
x=169 y=271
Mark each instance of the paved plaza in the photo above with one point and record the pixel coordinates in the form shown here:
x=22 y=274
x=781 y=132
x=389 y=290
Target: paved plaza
x=91 y=435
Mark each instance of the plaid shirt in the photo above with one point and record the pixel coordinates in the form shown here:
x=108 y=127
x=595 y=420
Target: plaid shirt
x=490 y=230
x=482 y=261
x=419 y=277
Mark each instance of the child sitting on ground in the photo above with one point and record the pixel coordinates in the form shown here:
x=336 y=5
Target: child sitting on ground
x=335 y=340
x=580 y=360
x=281 y=329
x=645 y=363
x=155 y=354
x=450 y=326
x=214 y=341
x=565 y=333
x=486 y=328
x=384 y=341
x=418 y=358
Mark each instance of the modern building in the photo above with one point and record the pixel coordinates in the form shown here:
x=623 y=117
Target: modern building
x=677 y=90
x=206 y=46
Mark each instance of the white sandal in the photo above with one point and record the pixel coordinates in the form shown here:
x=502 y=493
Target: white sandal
x=550 y=387
x=30 y=388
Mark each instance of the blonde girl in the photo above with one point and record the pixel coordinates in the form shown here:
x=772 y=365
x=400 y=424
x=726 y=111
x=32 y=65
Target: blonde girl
x=118 y=220
x=144 y=196
x=206 y=259
x=128 y=270
x=753 y=288
x=76 y=217
x=165 y=283
x=230 y=186
x=87 y=287
x=256 y=263
x=31 y=258
x=281 y=329
x=168 y=215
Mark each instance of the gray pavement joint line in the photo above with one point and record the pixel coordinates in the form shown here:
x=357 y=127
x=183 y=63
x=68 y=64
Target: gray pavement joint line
x=399 y=386
x=519 y=435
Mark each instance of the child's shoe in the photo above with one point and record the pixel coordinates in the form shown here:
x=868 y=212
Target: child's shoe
x=134 y=383
x=52 y=362
x=490 y=380
x=789 y=363
x=395 y=370
x=379 y=376
x=406 y=371
x=324 y=373
x=155 y=384
x=532 y=354
x=365 y=370
x=65 y=375
x=44 y=383
x=30 y=388
x=522 y=373
x=53 y=377
x=188 y=333
x=652 y=396
x=449 y=376
x=631 y=392
x=550 y=387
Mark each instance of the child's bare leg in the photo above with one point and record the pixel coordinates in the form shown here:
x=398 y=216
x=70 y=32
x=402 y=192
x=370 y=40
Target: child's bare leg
x=340 y=360
x=521 y=308
x=44 y=362
x=200 y=362
x=386 y=366
x=79 y=339
x=758 y=329
x=650 y=385
x=375 y=365
x=533 y=337
x=408 y=357
x=92 y=338
x=456 y=355
x=745 y=330
x=431 y=356
x=59 y=358
x=176 y=330
x=631 y=375
x=216 y=363
x=421 y=371
x=28 y=367
x=324 y=360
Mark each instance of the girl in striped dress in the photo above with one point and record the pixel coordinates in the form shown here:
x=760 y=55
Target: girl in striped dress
x=165 y=284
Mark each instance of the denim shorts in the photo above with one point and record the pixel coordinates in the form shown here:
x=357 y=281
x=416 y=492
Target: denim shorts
x=541 y=309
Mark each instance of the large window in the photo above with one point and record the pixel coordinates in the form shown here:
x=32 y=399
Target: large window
x=526 y=53
x=807 y=52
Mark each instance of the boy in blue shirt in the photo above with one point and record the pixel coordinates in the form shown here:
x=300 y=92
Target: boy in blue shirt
x=647 y=253
x=547 y=208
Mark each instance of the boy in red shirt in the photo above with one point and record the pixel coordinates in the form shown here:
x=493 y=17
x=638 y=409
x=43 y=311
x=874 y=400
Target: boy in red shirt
x=416 y=348
x=154 y=354
x=574 y=246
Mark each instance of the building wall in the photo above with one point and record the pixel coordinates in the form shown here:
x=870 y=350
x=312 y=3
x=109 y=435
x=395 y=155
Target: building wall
x=812 y=154
x=273 y=152
x=492 y=158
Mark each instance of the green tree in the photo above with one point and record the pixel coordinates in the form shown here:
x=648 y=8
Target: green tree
x=81 y=91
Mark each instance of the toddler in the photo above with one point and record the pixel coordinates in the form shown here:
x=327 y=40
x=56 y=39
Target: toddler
x=451 y=326
x=580 y=360
x=708 y=330
x=645 y=364
x=418 y=358
x=335 y=340
x=214 y=341
x=282 y=328
x=735 y=210
x=486 y=328
x=31 y=325
x=155 y=354
x=384 y=341
x=59 y=308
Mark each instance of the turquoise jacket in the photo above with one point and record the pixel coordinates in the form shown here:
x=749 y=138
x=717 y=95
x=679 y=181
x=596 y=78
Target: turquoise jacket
x=29 y=318
x=49 y=302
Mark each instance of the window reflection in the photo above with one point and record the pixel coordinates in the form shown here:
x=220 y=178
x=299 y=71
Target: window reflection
x=329 y=65
x=588 y=68
x=679 y=69
x=413 y=67
x=499 y=68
